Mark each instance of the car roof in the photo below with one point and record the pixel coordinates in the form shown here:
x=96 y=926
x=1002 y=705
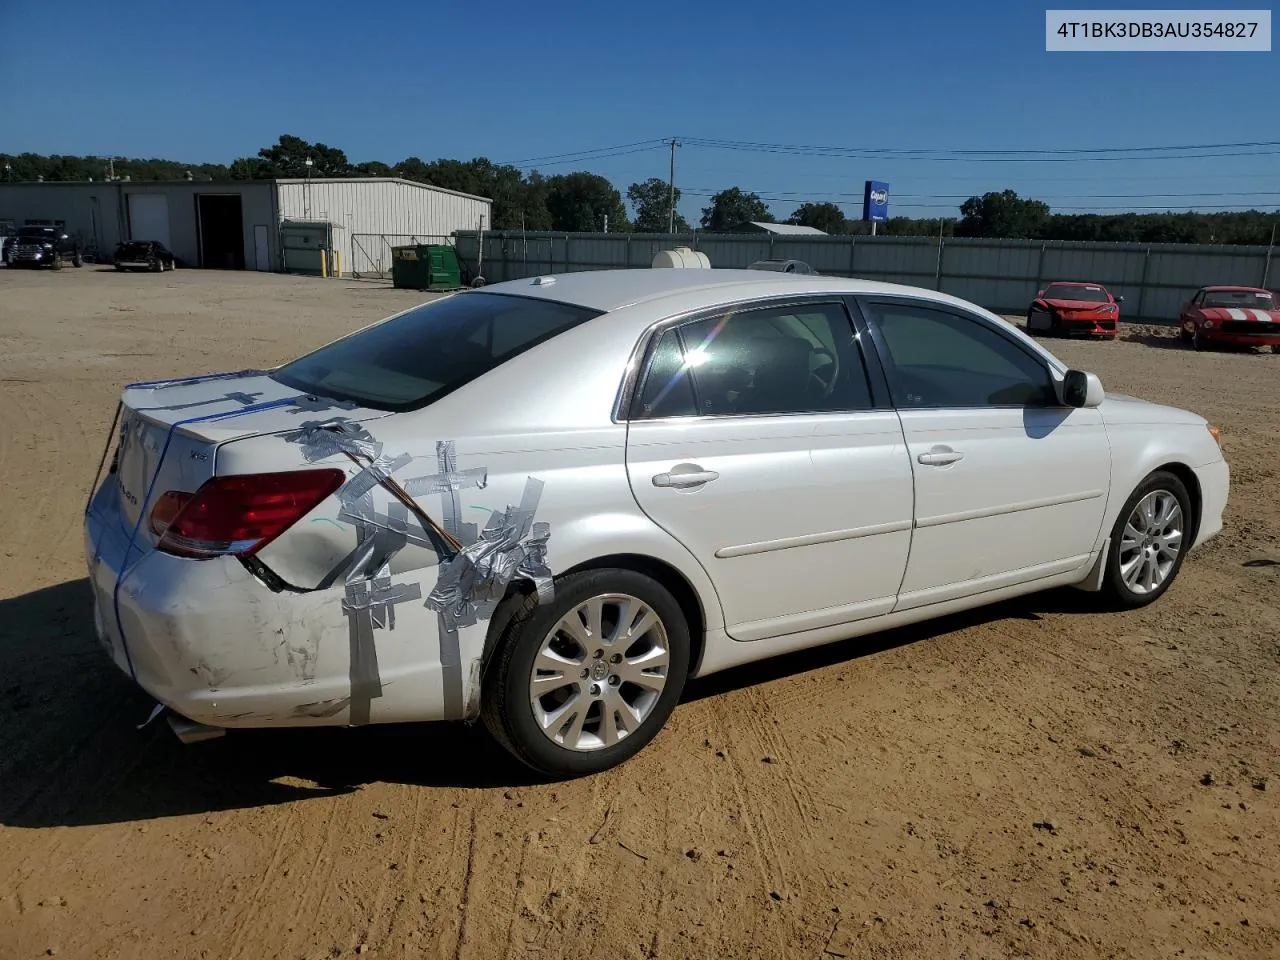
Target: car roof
x=1074 y=283
x=1230 y=289
x=690 y=288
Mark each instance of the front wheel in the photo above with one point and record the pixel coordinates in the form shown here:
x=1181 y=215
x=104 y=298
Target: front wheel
x=57 y=263
x=1198 y=341
x=584 y=682
x=77 y=261
x=1275 y=348
x=1148 y=542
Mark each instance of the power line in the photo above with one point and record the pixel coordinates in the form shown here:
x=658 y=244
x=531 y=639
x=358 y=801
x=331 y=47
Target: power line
x=621 y=149
x=998 y=155
x=783 y=195
x=851 y=154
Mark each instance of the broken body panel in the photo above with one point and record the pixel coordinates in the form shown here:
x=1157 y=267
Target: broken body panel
x=371 y=608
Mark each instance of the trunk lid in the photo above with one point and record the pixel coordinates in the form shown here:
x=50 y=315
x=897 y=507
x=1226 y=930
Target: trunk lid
x=170 y=432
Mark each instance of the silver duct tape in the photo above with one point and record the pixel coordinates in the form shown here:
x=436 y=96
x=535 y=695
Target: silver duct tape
x=313 y=404
x=240 y=397
x=448 y=483
x=510 y=547
x=374 y=475
x=321 y=439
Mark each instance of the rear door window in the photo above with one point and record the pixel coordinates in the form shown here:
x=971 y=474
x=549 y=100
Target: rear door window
x=411 y=360
x=799 y=359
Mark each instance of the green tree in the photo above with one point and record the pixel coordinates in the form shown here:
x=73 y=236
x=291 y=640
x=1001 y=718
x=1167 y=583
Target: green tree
x=372 y=168
x=1003 y=214
x=732 y=207
x=827 y=217
x=651 y=201
x=288 y=156
x=581 y=201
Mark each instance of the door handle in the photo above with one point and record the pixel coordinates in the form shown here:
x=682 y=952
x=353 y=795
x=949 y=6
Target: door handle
x=940 y=457
x=684 y=475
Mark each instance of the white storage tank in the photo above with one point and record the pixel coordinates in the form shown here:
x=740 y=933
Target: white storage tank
x=682 y=257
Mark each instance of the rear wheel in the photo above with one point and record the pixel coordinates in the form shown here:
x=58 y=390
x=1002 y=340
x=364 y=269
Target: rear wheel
x=583 y=683
x=1148 y=542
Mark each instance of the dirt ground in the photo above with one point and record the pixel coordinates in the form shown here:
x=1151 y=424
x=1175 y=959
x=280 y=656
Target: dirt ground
x=1035 y=779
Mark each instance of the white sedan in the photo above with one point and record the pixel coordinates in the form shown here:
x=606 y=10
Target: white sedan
x=551 y=502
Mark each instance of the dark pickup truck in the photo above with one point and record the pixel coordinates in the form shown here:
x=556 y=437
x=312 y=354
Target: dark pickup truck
x=44 y=247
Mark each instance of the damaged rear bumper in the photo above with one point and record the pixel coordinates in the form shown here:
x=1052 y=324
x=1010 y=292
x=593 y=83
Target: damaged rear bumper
x=219 y=648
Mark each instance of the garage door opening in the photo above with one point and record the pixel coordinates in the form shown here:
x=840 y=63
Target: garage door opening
x=221 y=231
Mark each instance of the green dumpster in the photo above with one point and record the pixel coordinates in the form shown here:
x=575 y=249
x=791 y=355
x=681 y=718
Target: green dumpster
x=425 y=266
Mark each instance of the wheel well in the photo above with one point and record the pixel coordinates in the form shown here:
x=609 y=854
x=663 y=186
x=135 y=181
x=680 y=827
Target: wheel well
x=674 y=581
x=671 y=578
x=1192 y=483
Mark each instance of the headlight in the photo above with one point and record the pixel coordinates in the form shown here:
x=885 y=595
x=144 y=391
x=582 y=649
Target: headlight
x=1208 y=324
x=1109 y=308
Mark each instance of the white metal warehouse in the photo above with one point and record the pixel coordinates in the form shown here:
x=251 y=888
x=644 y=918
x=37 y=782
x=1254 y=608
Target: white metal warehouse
x=370 y=215
x=236 y=224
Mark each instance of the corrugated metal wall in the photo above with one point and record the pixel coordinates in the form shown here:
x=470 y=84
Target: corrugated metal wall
x=98 y=213
x=371 y=208
x=1002 y=275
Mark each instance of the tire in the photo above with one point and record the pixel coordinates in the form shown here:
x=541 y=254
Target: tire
x=119 y=268
x=57 y=262
x=156 y=266
x=77 y=261
x=1198 y=341
x=508 y=707
x=1138 y=590
x=1184 y=335
x=1275 y=348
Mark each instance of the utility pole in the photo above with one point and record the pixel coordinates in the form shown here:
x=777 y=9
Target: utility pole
x=671 y=203
x=1266 y=270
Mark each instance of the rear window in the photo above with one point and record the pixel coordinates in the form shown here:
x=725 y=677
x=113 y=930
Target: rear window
x=411 y=360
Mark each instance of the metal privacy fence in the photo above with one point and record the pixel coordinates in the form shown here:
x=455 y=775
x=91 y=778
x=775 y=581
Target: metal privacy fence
x=371 y=252
x=1001 y=275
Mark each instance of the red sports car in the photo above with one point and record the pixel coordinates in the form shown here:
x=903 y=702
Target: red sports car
x=1241 y=315
x=1074 y=309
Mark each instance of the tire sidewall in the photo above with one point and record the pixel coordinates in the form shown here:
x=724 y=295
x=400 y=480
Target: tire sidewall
x=1115 y=585
x=507 y=685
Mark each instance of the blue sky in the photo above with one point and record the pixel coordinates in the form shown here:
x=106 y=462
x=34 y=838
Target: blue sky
x=508 y=80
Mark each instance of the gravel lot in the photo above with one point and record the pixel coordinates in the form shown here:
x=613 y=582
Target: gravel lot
x=1035 y=779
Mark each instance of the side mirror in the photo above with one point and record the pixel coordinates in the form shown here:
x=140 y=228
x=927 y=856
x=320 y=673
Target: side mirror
x=1039 y=294
x=1080 y=389
x=1119 y=299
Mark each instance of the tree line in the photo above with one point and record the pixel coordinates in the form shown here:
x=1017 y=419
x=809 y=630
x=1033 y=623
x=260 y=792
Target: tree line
x=587 y=202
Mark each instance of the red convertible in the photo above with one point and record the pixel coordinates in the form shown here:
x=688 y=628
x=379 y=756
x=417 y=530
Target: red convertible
x=1074 y=309
x=1245 y=316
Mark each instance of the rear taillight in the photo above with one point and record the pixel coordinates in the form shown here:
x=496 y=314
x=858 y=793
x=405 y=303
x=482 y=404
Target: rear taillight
x=240 y=514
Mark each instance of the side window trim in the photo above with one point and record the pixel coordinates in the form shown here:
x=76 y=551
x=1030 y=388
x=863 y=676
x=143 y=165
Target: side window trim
x=630 y=390
x=867 y=337
x=865 y=302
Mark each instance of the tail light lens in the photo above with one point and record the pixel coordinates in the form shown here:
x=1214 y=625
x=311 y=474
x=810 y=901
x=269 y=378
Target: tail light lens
x=238 y=515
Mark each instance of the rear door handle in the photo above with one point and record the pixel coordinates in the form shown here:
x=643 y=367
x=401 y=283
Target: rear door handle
x=940 y=457
x=684 y=475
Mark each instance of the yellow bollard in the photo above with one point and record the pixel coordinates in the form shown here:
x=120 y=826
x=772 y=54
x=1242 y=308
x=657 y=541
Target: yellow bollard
x=324 y=263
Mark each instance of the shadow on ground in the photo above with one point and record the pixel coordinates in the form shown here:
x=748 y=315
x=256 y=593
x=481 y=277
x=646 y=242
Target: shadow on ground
x=71 y=752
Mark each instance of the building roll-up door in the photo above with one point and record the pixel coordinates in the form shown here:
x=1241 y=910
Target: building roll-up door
x=149 y=217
